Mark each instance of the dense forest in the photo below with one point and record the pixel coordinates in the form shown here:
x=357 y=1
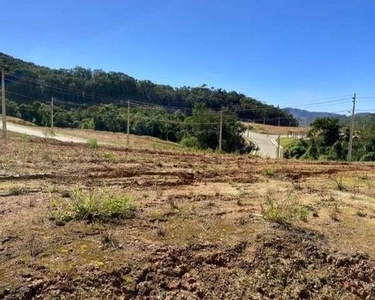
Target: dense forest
x=328 y=141
x=27 y=82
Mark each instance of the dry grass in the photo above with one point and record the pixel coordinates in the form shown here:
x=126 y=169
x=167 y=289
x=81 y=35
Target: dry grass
x=200 y=199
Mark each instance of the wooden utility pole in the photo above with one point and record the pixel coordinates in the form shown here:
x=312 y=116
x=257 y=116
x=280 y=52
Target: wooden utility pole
x=278 y=146
x=221 y=130
x=4 y=115
x=128 y=127
x=52 y=114
x=351 y=130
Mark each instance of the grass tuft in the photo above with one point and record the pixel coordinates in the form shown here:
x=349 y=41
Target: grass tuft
x=282 y=211
x=99 y=204
x=93 y=143
x=340 y=185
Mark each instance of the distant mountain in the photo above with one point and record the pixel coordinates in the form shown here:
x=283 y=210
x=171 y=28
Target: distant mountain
x=306 y=117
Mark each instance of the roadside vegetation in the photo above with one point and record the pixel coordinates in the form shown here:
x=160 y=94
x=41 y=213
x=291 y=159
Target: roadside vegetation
x=327 y=141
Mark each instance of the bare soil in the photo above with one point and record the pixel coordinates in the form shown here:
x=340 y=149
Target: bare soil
x=199 y=231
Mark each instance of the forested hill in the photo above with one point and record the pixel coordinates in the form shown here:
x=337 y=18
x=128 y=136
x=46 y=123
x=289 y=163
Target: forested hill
x=27 y=82
x=306 y=117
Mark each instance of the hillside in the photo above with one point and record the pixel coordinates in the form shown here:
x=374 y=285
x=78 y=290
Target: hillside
x=27 y=82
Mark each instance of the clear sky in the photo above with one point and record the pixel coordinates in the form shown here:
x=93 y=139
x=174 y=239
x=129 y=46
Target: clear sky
x=283 y=52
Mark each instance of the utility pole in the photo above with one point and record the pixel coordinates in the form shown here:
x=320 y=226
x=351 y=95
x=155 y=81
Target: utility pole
x=52 y=115
x=351 y=130
x=278 y=146
x=278 y=123
x=128 y=126
x=221 y=130
x=4 y=115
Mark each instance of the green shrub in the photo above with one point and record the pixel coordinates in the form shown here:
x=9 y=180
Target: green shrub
x=110 y=156
x=99 y=204
x=190 y=142
x=93 y=143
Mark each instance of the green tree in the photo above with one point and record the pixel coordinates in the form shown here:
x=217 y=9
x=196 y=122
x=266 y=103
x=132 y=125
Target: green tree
x=327 y=129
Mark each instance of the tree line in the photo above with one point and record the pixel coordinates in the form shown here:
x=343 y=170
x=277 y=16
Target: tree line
x=199 y=130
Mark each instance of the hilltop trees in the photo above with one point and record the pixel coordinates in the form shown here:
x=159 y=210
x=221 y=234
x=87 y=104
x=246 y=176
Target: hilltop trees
x=27 y=82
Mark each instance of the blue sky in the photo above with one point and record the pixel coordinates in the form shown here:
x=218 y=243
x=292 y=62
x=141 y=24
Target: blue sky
x=283 y=52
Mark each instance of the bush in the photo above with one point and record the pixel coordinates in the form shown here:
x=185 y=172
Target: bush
x=282 y=211
x=93 y=143
x=98 y=204
x=294 y=150
x=368 y=157
x=190 y=142
x=110 y=156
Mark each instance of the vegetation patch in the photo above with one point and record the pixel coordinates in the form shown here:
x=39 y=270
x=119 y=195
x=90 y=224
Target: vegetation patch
x=282 y=210
x=98 y=204
x=93 y=143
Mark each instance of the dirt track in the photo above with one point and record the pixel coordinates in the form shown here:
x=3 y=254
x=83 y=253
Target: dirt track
x=198 y=232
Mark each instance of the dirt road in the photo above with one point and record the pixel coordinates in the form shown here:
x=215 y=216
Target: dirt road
x=43 y=133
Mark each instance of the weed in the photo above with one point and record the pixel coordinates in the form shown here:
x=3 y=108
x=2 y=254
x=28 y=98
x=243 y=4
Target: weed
x=160 y=231
x=35 y=246
x=25 y=138
x=270 y=172
x=340 y=185
x=109 y=239
x=356 y=191
x=282 y=211
x=241 y=202
x=16 y=191
x=333 y=214
x=361 y=214
x=65 y=194
x=98 y=204
x=301 y=213
x=175 y=205
x=211 y=204
x=242 y=221
x=48 y=132
x=32 y=203
x=296 y=185
x=159 y=193
x=207 y=224
x=110 y=156
x=93 y=143
x=242 y=194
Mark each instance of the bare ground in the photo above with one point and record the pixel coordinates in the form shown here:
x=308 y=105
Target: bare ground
x=199 y=231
